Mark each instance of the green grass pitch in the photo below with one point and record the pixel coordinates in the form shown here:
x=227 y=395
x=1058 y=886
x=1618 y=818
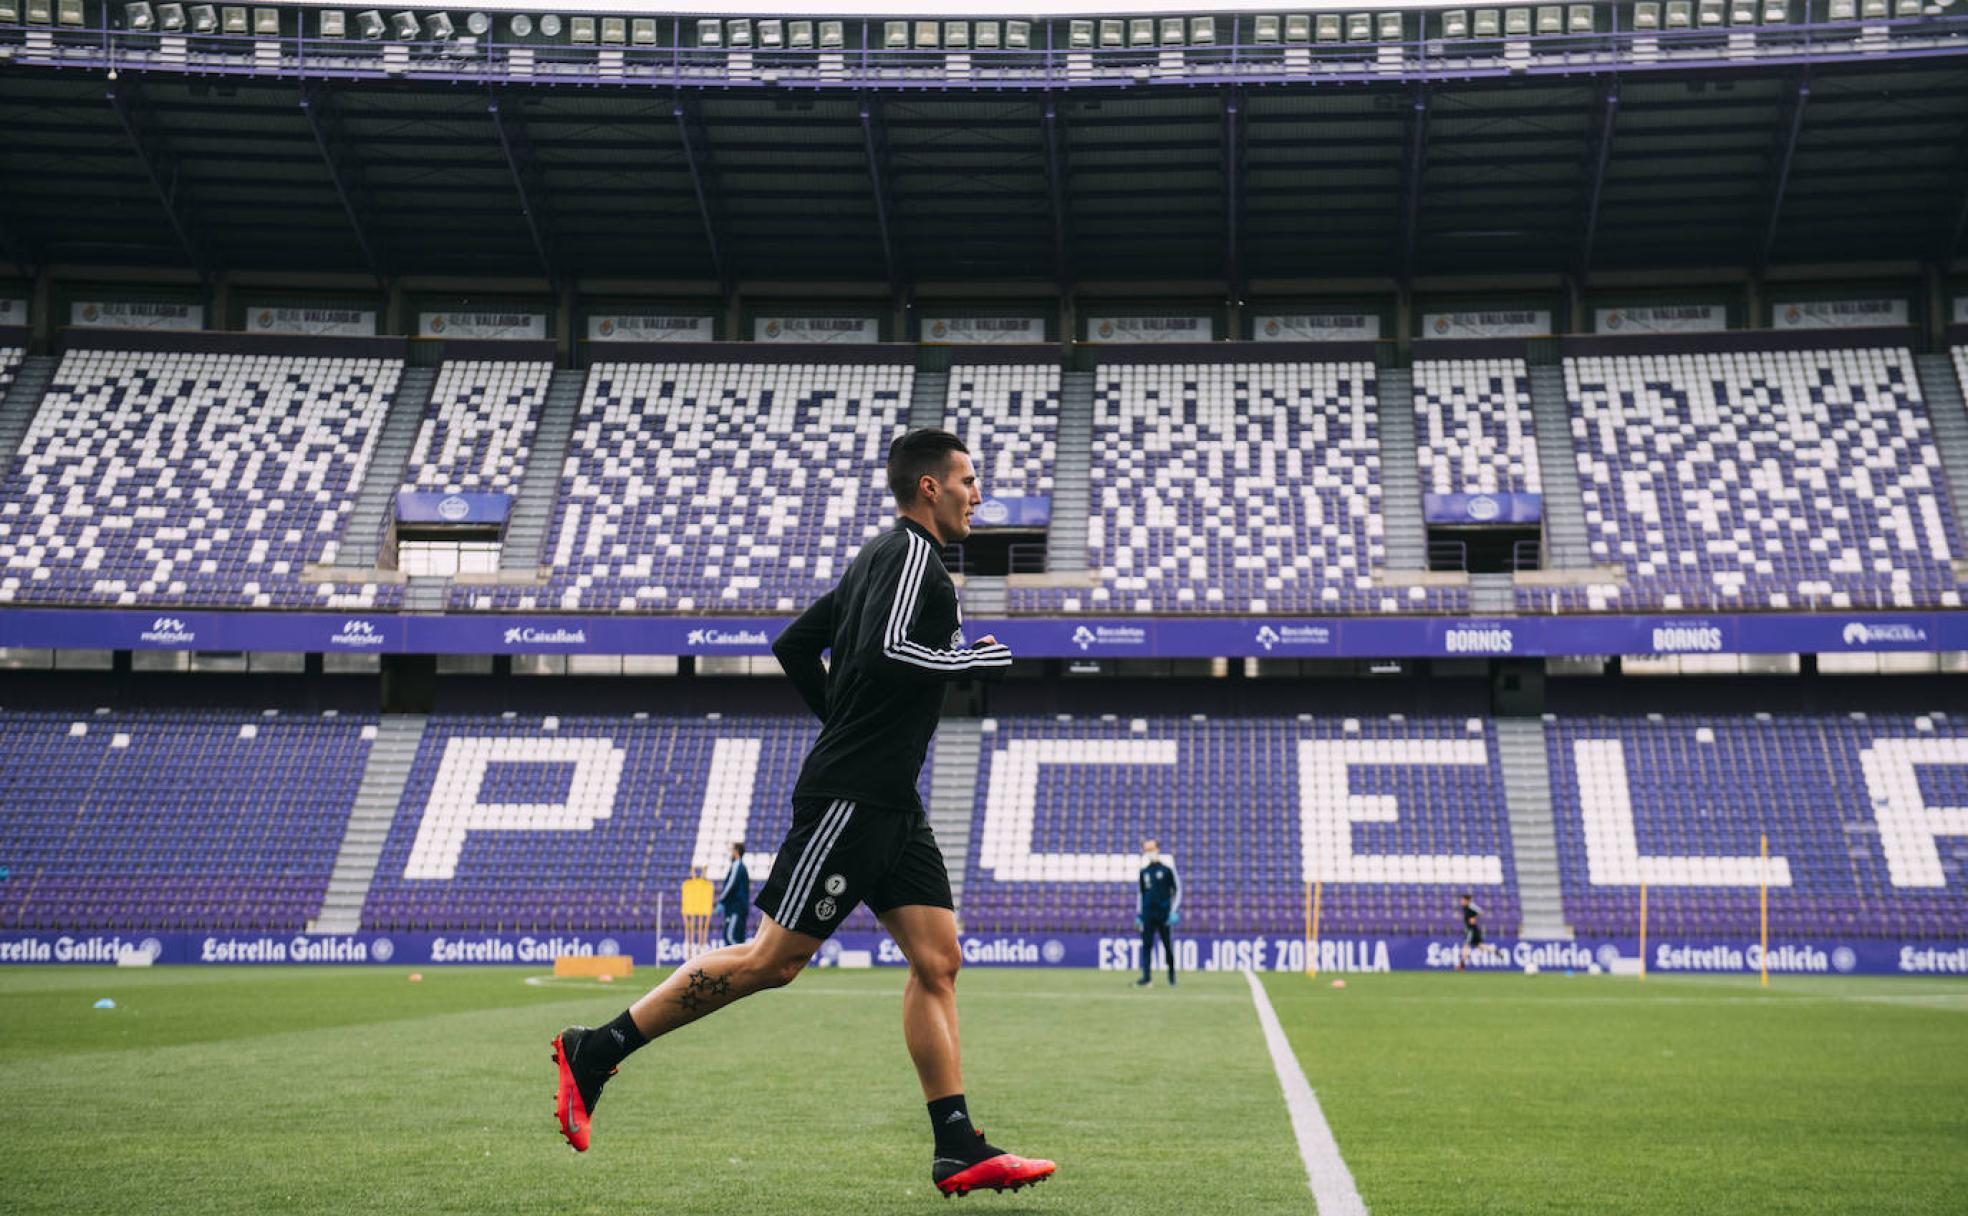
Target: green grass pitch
x=336 y=1090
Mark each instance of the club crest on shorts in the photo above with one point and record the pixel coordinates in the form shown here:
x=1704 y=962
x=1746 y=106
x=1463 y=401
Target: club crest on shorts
x=835 y=884
x=825 y=909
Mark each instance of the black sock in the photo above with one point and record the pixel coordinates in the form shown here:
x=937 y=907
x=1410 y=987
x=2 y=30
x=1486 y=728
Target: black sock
x=614 y=1042
x=949 y=1118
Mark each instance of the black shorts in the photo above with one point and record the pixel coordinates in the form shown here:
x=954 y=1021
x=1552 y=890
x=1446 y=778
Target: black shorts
x=839 y=854
x=1472 y=936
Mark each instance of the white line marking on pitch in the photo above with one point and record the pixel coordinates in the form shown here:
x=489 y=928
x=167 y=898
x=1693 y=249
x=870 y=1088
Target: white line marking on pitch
x=1333 y=1191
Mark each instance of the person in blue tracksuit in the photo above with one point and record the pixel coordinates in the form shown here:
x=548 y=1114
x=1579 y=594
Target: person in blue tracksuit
x=1160 y=909
x=735 y=900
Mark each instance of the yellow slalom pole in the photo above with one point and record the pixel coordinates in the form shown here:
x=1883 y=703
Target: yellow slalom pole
x=1763 y=900
x=1312 y=955
x=1310 y=970
x=1643 y=930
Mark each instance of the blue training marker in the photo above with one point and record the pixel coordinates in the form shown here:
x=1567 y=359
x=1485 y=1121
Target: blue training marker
x=105 y=1003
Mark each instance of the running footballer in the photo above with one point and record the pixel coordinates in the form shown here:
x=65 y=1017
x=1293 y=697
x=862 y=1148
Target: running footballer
x=859 y=832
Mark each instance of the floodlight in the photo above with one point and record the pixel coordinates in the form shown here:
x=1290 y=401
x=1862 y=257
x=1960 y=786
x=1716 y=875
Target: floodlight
x=1018 y=35
x=9 y=10
x=232 y=20
x=1327 y=28
x=138 y=17
x=1775 y=12
x=439 y=27
x=738 y=32
x=1202 y=31
x=1742 y=12
x=985 y=36
x=1359 y=28
x=1488 y=23
x=1579 y=18
x=550 y=25
x=642 y=31
x=170 y=17
x=1680 y=14
x=710 y=32
x=956 y=35
x=1265 y=30
x=1112 y=33
x=800 y=34
x=1298 y=27
x=1647 y=16
x=266 y=22
x=895 y=35
x=332 y=23
x=69 y=12
x=772 y=34
x=1079 y=35
x=1516 y=22
x=1844 y=10
x=1172 y=32
x=833 y=35
x=1455 y=23
x=1907 y=8
x=1550 y=19
x=581 y=29
x=1712 y=12
x=479 y=24
x=615 y=31
x=367 y=24
x=521 y=26
x=1141 y=31
x=1390 y=27
x=927 y=34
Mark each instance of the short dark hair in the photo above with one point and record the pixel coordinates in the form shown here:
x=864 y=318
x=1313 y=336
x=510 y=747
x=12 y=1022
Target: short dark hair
x=740 y=846
x=918 y=454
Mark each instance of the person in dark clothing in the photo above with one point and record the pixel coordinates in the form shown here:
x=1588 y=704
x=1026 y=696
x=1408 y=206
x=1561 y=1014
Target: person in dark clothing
x=735 y=900
x=1472 y=931
x=895 y=633
x=1159 y=910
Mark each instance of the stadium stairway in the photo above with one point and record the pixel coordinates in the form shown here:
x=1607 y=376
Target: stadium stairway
x=1066 y=536
x=1942 y=392
x=927 y=401
x=1533 y=840
x=984 y=597
x=362 y=538
x=23 y=401
x=1400 y=477
x=1490 y=594
x=532 y=508
x=1566 y=546
x=390 y=758
x=953 y=795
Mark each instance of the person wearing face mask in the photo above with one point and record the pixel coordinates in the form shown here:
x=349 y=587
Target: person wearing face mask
x=1158 y=911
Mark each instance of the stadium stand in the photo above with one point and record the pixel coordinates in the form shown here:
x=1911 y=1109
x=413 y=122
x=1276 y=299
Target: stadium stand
x=1236 y=488
x=1008 y=416
x=715 y=487
x=1473 y=425
x=10 y=361
x=1852 y=806
x=170 y=480
x=1397 y=815
x=1747 y=480
x=478 y=431
x=182 y=819
x=581 y=822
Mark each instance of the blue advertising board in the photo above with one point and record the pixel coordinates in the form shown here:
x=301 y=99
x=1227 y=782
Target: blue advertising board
x=1031 y=637
x=1119 y=951
x=1477 y=509
x=435 y=507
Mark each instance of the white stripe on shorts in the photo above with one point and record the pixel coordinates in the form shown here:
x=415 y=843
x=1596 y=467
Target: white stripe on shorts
x=813 y=860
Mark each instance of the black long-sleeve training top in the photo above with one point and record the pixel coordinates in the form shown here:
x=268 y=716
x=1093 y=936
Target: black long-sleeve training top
x=896 y=633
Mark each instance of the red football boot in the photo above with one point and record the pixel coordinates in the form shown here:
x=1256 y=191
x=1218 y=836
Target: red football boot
x=999 y=1172
x=579 y=1091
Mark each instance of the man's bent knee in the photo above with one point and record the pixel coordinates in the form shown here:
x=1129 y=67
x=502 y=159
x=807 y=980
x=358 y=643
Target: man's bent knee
x=777 y=970
x=936 y=969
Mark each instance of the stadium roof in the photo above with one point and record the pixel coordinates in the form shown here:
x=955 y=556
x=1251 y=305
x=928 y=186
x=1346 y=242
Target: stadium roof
x=1157 y=182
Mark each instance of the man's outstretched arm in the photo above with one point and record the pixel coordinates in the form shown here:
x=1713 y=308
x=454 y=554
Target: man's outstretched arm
x=894 y=604
x=798 y=650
